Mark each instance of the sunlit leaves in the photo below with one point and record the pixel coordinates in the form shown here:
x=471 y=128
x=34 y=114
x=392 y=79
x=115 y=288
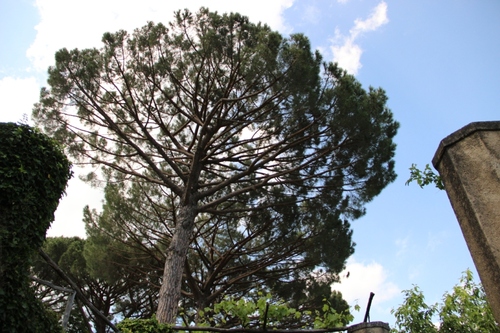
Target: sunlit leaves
x=424 y=177
x=465 y=309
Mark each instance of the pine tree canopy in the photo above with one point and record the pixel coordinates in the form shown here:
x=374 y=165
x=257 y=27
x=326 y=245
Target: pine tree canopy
x=246 y=155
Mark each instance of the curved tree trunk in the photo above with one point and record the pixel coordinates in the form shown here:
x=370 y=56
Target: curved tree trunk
x=170 y=290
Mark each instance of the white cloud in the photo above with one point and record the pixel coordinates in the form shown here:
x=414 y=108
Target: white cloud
x=81 y=23
x=365 y=278
x=376 y=19
x=69 y=213
x=348 y=56
x=344 y=48
x=17 y=97
x=358 y=280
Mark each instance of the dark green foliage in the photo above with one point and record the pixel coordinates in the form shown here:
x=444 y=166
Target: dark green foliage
x=106 y=283
x=33 y=176
x=66 y=253
x=143 y=326
x=464 y=310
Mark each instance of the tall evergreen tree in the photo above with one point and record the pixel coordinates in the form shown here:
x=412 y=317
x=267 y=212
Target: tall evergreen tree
x=228 y=121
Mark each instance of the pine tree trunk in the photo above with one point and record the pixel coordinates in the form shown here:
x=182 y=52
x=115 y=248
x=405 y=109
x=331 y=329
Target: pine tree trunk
x=170 y=290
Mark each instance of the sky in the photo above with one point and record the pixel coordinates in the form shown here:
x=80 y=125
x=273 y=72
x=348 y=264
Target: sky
x=438 y=61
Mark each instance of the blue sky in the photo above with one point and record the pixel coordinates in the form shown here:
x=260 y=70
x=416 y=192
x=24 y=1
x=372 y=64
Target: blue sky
x=439 y=62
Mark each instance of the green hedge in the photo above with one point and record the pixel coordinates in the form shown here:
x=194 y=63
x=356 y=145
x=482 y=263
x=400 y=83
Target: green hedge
x=143 y=326
x=33 y=176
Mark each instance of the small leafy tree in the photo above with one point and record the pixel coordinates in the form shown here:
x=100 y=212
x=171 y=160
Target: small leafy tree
x=259 y=313
x=464 y=310
x=268 y=311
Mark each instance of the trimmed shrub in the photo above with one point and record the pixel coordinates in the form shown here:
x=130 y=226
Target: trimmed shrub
x=33 y=176
x=143 y=325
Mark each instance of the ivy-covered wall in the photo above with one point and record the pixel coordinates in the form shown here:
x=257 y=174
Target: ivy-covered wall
x=33 y=176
